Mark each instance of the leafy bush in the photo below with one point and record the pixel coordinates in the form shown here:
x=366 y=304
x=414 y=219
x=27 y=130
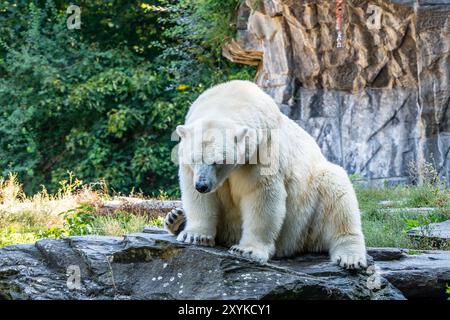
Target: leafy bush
x=103 y=101
x=78 y=221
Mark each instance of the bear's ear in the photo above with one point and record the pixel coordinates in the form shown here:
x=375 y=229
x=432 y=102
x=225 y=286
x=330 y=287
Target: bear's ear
x=182 y=131
x=241 y=133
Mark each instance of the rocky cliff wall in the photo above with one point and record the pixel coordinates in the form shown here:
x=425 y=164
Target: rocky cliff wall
x=375 y=105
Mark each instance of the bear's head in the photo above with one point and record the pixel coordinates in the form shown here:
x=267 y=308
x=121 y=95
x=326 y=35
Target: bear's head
x=212 y=149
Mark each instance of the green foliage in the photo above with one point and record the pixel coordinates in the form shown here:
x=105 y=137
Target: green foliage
x=53 y=232
x=411 y=223
x=79 y=221
x=103 y=101
x=70 y=185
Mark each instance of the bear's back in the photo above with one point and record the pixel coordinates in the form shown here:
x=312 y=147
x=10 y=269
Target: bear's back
x=239 y=101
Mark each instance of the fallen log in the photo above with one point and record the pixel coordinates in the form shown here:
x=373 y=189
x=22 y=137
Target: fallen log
x=152 y=207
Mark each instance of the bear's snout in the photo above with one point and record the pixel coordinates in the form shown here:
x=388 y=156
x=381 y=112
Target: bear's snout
x=202 y=187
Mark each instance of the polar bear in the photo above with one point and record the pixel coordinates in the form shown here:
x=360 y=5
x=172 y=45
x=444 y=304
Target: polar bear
x=294 y=202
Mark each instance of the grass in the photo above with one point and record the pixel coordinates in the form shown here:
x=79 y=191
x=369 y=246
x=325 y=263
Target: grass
x=387 y=229
x=76 y=210
x=73 y=210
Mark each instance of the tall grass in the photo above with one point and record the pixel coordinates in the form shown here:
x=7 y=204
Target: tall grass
x=74 y=210
x=25 y=219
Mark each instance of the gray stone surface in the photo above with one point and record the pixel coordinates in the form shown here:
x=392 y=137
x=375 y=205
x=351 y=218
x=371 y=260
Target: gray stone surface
x=419 y=274
x=436 y=231
x=423 y=210
x=154 y=266
x=392 y=203
x=376 y=105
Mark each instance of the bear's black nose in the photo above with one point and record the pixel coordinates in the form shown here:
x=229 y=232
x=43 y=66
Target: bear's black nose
x=201 y=187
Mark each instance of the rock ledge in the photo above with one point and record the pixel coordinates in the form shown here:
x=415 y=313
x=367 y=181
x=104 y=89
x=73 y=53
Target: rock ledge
x=154 y=266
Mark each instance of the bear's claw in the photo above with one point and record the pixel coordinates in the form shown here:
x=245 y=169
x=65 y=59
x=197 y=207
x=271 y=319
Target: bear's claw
x=196 y=238
x=249 y=253
x=350 y=261
x=175 y=220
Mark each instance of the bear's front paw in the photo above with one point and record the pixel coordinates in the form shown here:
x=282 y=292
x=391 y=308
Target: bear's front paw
x=175 y=220
x=196 y=238
x=350 y=260
x=252 y=253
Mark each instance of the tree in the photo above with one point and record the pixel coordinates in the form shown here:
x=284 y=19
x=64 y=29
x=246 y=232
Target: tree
x=102 y=101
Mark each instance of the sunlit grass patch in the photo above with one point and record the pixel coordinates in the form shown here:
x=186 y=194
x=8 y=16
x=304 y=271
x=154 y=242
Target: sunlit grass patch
x=73 y=210
x=123 y=223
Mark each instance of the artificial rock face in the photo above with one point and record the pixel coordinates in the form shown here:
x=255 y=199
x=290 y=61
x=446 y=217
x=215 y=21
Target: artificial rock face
x=379 y=104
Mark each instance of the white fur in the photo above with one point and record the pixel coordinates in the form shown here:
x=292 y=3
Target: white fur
x=307 y=205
